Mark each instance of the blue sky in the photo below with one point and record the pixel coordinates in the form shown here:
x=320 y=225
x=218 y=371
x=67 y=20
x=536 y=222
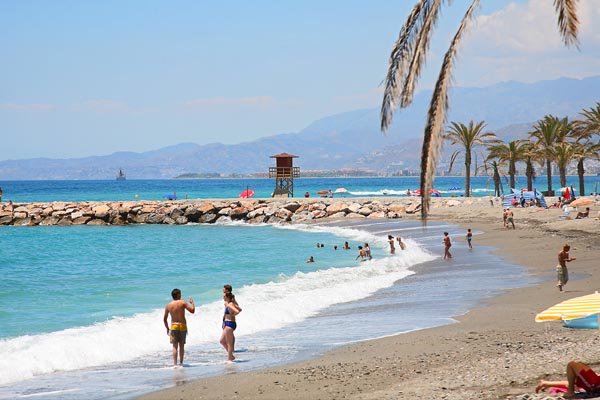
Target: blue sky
x=82 y=78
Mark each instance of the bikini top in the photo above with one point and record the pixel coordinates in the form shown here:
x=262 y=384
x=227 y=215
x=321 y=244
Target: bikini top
x=227 y=311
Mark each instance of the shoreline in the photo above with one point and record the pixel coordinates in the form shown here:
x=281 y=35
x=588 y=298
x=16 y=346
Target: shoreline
x=495 y=350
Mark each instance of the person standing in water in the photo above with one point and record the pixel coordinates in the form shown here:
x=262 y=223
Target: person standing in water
x=561 y=269
x=469 y=237
x=368 y=251
x=447 y=245
x=177 y=331
x=401 y=243
x=229 y=325
x=391 y=242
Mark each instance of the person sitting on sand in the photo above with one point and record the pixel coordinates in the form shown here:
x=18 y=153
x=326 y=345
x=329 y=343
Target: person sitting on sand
x=311 y=259
x=585 y=214
x=578 y=374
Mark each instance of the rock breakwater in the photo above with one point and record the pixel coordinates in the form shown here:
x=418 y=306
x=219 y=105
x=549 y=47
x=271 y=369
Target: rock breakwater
x=200 y=211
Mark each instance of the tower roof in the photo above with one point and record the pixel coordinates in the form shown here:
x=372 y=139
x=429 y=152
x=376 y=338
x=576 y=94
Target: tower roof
x=284 y=155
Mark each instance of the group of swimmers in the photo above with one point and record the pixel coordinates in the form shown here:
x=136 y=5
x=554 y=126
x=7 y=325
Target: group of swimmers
x=401 y=244
x=364 y=252
x=177 y=330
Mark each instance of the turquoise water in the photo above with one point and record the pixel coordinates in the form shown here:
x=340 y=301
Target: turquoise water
x=33 y=191
x=81 y=306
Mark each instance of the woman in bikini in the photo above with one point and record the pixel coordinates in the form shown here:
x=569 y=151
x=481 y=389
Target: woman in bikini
x=229 y=325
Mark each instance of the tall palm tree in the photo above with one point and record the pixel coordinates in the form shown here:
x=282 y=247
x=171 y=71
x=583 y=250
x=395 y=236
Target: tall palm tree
x=408 y=56
x=495 y=166
x=469 y=137
x=530 y=156
x=585 y=129
x=547 y=132
x=564 y=153
x=585 y=150
x=511 y=152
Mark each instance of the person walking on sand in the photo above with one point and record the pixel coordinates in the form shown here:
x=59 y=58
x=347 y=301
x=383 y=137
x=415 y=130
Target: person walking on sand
x=469 y=237
x=447 y=245
x=177 y=331
x=229 y=325
x=504 y=217
x=562 y=272
x=510 y=218
x=391 y=242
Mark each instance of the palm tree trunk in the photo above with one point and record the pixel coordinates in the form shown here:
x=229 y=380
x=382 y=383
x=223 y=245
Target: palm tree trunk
x=496 y=183
x=549 y=175
x=580 y=172
x=563 y=176
x=467 y=174
x=511 y=173
x=529 y=173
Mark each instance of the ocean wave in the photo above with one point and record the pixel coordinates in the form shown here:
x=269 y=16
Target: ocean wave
x=272 y=305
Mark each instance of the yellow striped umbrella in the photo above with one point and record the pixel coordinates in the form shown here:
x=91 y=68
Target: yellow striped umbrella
x=578 y=307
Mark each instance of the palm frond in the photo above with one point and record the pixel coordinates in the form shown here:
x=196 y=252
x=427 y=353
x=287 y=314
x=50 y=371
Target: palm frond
x=430 y=17
x=568 y=23
x=402 y=51
x=436 y=116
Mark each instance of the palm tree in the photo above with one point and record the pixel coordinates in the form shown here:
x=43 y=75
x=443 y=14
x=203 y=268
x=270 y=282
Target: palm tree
x=530 y=155
x=408 y=56
x=584 y=129
x=511 y=152
x=469 y=137
x=564 y=153
x=495 y=166
x=585 y=151
x=547 y=132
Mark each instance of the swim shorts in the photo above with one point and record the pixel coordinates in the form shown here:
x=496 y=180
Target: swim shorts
x=562 y=274
x=178 y=332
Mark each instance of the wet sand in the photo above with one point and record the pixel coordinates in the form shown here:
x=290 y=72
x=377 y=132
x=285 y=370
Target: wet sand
x=496 y=351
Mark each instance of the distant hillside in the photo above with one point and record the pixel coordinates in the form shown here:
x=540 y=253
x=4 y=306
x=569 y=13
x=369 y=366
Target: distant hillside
x=350 y=140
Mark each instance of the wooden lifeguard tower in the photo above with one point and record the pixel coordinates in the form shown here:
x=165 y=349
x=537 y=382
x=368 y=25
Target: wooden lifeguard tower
x=284 y=174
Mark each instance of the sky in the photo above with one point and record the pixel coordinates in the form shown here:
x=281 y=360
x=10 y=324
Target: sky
x=84 y=78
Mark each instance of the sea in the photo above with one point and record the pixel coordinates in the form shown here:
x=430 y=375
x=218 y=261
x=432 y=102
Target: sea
x=81 y=307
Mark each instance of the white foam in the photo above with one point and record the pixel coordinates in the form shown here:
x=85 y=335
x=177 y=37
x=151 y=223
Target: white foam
x=272 y=305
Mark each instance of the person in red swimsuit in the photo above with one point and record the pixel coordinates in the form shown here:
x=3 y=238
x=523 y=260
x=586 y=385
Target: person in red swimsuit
x=578 y=374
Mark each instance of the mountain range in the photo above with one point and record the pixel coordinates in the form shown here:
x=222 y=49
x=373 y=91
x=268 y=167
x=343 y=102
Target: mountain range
x=346 y=141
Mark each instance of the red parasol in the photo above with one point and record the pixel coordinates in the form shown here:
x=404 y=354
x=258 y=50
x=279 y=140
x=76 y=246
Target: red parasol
x=246 y=194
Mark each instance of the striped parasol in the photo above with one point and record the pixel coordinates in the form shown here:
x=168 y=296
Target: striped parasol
x=578 y=307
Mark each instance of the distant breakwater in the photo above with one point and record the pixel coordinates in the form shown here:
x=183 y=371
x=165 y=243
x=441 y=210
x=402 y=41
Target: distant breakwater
x=182 y=212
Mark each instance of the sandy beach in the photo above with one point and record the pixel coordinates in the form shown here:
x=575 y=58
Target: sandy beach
x=495 y=351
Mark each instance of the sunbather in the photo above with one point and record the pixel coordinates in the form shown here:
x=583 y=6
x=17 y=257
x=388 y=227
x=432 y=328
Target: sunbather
x=577 y=374
x=583 y=214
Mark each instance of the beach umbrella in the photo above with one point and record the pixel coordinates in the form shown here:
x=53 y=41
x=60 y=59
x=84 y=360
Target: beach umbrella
x=572 y=192
x=246 y=194
x=322 y=192
x=582 y=201
x=575 y=308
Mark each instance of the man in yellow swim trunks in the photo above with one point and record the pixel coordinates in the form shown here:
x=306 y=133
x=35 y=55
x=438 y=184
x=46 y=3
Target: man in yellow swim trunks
x=178 y=329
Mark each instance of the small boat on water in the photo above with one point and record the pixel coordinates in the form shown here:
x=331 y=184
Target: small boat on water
x=121 y=175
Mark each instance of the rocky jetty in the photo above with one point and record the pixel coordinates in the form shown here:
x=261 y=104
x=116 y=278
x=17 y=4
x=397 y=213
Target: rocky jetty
x=201 y=211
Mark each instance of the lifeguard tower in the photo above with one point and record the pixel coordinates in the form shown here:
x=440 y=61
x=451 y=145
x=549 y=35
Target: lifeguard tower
x=284 y=174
